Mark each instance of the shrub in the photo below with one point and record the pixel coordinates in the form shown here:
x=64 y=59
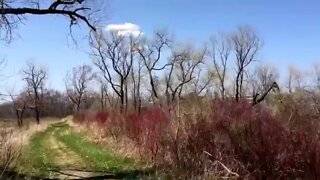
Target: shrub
x=102 y=118
x=9 y=152
x=233 y=138
x=147 y=129
x=265 y=146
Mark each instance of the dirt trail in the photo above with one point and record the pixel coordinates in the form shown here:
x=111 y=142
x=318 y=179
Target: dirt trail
x=59 y=153
x=65 y=157
x=69 y=164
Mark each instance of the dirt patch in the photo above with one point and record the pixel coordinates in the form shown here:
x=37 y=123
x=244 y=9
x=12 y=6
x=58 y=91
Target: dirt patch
x=65 y=157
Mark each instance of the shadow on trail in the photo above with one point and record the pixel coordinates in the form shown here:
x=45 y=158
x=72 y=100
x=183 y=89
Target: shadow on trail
x=135 y=174
x=11 y=175
x=132 y=174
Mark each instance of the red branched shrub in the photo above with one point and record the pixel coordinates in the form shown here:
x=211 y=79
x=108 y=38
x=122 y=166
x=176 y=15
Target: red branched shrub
x=266 y=147
x=146 y=129
x=201 y=137
x=79 y=118
x=88 y=117
x=102 y=118
x=134 y=127
x=250 y=141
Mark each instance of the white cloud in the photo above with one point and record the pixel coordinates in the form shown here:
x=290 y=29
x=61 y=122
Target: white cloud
x=125 y=29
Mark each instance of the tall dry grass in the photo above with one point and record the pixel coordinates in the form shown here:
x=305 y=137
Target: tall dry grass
x=9 y=152
x=14 y=138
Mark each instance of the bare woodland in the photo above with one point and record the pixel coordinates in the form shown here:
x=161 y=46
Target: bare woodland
x=180 y=104
x=132 y=72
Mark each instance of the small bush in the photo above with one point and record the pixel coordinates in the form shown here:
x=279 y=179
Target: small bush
x=9 y=152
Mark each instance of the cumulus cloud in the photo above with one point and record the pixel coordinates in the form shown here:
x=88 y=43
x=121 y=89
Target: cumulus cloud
x=125 y=29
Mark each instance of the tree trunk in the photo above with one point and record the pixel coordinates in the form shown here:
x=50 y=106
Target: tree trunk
x=37 y=113
x=154 y=91
x=121 y=103
x=223 y=91
x=126 y=95
x=241 y=85
x=238 y=86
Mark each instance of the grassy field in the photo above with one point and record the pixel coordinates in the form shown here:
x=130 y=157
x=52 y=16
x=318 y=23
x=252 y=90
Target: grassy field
x=59 y=152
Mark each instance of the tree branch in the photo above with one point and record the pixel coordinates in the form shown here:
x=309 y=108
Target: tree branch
x=72 y=14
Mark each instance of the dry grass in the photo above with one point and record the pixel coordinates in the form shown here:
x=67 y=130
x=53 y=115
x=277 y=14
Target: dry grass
x=13 y=138
x=9 y=151
x=31 y=127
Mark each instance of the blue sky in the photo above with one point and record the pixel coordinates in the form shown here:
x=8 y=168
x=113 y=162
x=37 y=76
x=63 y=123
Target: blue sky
x=290 y=30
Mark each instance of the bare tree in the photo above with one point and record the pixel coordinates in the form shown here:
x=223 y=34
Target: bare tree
x=294 y=79
x=136 y=75
x=151 y=54
x=107 y=97
x=220 y=53
x=264 y=76
x=113 y=55
x=19 y=105
x=290 y=80
x=77 y=84
x=202 y=80
x=257 y=98
x=246 y=45
x=264 y=80
x=35 y=78
x=103 y=93
x=13 y=12
x=183 y=65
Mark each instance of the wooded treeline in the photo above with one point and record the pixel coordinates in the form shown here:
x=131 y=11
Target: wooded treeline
x=133 y=72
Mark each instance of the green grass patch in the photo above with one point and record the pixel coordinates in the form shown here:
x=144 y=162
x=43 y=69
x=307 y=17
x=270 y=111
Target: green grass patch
x=97 y=158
